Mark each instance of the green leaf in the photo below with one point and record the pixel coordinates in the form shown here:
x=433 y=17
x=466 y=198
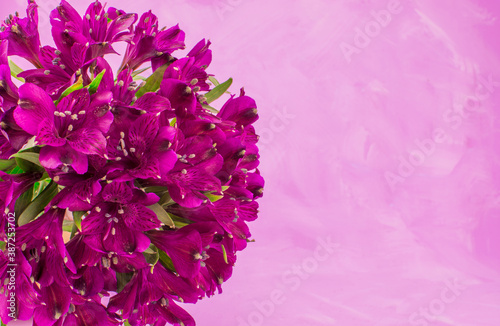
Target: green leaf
x=212 y=197
x=213 y=80
x=77 y=218
x=209 y=108
x=151 y=255
x=122 y=280
x=76 y=86
x=173 y=122
x=218 y=91
x=28 y=161
x=67 y=226
x=15 y=170
x=162 y=215
x=29 y=156
x=6 y=165
x=140 y=71
x=126 y=323
x=15 y=70
x=153 y=82
x=96 y=82
x=39 y=204
x=166 y=260
x=23 y=201
x=224 y=253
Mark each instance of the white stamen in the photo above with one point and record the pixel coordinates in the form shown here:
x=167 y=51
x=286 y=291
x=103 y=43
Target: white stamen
x=132 y=150
x=97 y=209
x=82 y=112
x=113 y=231
x=67 y=112
x=46 y=72
x=87 y=16
x=184 y=171
x=192 y=155
x=70 y=128
x=122 y=134
x=74 y=117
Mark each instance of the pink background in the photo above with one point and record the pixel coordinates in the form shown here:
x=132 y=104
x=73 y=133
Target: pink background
x=390 y=152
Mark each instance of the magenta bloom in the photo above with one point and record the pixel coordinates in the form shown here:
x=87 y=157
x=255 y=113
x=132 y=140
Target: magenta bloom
x=130 y=195
x=70 y=131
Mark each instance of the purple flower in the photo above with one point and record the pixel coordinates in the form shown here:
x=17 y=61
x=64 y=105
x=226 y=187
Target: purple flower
x=154 y=190
x=70 y=131
x=26 y=297
x=149 y=43
x=144 y=149
x=22 y=34
x=94 y=32
x=115 y=224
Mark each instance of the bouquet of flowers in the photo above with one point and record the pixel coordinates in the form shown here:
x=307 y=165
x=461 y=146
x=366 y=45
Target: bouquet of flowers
x=120 y=194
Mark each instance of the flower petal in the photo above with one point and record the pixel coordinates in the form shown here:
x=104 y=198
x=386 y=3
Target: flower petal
x=35 y=105
x=88 y=141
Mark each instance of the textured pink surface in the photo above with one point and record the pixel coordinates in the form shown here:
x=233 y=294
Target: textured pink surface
x=389 y=150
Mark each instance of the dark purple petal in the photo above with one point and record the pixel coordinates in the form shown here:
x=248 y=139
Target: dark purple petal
x=170 y=40
x=139 y=218
x=118 y=25
x=152 y=103
x=54 y=157
x=143 y=132
x=35 y=105
x=201 y=53
x=47 y=134
x=242 y=110
x=117 y=192
x=88 y=141
x=180 y=95
x=22 y=34
x=183 y=248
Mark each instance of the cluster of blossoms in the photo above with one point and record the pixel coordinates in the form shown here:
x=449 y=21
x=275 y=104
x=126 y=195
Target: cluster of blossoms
x=130 y=193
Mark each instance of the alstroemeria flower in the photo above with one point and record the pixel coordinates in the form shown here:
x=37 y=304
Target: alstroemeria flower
x=70 y=131
x=42 y=244
x=115 y=224
x=144 y=150
x=22 y=34
x=142 y=193
x=93 y=30
x=8 y=90
x=183 y=247
x=143 y=302
x=26 y=297
x=11 y=187
x=191 y=69
x=149 y=43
